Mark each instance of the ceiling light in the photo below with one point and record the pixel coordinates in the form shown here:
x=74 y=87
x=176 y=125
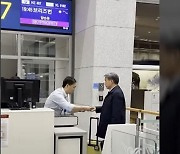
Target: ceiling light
x=157 y=18
x=143 y=39
x=149 y=32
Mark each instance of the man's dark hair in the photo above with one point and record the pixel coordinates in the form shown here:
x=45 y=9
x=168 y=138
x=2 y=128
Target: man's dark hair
x=135 y=79
x=68 y=80
x=112 y=76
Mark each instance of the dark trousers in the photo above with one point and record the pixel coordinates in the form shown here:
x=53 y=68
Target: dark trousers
x=101 y=144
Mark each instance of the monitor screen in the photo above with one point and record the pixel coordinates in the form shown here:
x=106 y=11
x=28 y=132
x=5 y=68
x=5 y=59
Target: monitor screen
x=19 y=93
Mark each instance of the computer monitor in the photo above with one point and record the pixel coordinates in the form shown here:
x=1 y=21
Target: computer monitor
x=19 y=93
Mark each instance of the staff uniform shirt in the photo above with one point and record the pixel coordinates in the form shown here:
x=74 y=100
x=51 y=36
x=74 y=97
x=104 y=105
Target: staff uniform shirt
x=58 y=100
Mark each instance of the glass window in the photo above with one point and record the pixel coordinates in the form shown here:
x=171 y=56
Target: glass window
x=146 y=43
x=8 y=68
x=41 y=56
x=43 y=70
x=9 y=44
x=62 y=70
x=42 y=46
x=149 y=79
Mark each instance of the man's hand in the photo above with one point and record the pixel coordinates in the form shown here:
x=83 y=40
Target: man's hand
x=93 y=109
x=88 y=108
x=83 y=109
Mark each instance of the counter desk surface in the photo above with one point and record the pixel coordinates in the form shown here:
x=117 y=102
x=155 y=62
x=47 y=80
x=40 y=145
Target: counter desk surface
x=34 y=110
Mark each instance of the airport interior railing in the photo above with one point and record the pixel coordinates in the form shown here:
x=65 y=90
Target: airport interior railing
x=146 y=140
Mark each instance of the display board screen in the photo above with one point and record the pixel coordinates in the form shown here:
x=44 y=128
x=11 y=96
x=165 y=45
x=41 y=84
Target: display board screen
x=54 y=16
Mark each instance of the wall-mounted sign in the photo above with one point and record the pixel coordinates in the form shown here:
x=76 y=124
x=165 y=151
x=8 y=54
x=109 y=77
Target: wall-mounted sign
x=50 y=16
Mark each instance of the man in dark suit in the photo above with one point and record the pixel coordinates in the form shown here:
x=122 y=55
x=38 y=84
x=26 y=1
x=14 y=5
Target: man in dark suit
x=170 y=94
x=113 y=109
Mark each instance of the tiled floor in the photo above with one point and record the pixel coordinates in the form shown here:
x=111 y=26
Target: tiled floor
x=91 y=150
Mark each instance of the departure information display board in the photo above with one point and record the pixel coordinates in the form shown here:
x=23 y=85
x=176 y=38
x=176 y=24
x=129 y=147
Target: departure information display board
x=54 y=16
x=44 y=13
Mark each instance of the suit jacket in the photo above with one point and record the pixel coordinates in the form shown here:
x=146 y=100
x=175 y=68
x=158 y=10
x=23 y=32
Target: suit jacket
x=112 y=111
x=170 y=122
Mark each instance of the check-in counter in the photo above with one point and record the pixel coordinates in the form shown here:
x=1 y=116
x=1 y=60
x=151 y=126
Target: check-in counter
x=66 y=121
x=37 y=131
x=70 y=140
x=68 y=137
x=28 y=131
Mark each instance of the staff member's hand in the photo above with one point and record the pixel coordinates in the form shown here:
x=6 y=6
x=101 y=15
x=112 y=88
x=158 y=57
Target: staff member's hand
x=86 y=108
x=93 y=109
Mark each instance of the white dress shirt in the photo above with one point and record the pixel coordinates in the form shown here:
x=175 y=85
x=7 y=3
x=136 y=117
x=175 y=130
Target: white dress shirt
x=112 y=88
x=58 y=100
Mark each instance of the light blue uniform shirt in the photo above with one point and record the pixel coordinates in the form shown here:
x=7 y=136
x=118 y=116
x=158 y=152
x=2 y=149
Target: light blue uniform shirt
x=58 y=100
